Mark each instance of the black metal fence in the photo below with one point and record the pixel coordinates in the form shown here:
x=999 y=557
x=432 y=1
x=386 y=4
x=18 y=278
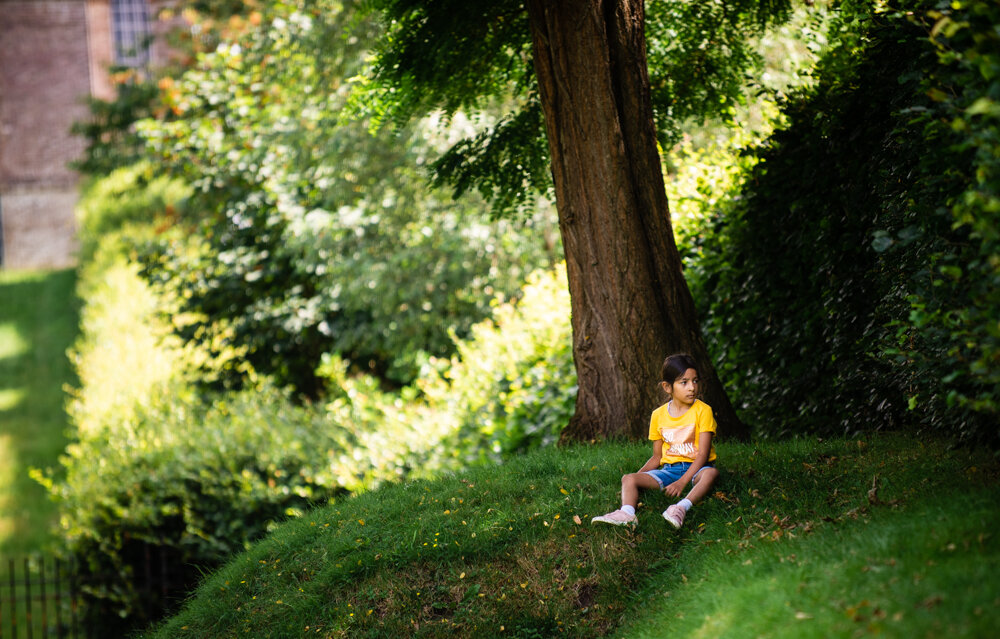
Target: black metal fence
x=39 y=598
x=47 y=598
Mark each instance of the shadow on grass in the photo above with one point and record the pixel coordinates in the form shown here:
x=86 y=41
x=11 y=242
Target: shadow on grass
x=39 y=321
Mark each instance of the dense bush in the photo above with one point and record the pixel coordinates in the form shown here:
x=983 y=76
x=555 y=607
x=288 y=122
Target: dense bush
x=126 y=205
x=198 y=477
x=159 y=464
x=829 y=286
x=512 y=384
x=126 y=353
x=314 y=235
x=111 y=139
x=951 y=340
x=196 y=482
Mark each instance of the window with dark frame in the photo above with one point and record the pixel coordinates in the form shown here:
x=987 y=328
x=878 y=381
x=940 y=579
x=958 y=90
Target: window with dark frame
x=131 y=32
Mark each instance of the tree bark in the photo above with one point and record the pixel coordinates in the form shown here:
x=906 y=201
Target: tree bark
x=630 y=303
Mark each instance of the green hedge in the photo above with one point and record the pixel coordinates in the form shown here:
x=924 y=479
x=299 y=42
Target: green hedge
x=159 y=463
x=953 y=326
x=850 y=285
x=195 y=481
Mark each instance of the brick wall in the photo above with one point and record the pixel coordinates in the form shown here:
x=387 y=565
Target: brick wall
x=45 y=74
x=53 y=54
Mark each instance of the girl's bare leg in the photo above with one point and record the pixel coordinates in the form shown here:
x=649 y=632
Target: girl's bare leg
x=631 y=484
x=702 y=484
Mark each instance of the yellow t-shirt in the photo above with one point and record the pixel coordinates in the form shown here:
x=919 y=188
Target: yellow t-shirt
x=680 y=435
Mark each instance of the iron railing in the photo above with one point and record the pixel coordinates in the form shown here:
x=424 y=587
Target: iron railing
x=47 y=598
x=39 y=598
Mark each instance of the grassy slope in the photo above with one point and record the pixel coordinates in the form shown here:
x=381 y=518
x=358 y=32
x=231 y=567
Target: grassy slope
x=918 y=558
x=38 y=322
x=795 y=542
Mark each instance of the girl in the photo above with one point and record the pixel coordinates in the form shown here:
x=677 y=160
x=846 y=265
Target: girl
x=681 y=431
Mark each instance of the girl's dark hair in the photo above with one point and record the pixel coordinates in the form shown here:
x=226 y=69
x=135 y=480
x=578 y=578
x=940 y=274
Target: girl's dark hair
x=675 y=366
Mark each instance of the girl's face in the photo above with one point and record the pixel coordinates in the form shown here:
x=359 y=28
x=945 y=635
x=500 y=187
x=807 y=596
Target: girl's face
x=684 y=390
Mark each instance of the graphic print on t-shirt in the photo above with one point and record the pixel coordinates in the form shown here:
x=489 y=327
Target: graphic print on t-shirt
x=680 y=441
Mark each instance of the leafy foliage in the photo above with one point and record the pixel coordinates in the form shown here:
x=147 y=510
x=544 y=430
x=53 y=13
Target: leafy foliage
x=454 y=55
x=125 y=206
x=701 y=55
x=953 y=318
x=508 y=164
x=511 y=386
x=312 y=229
x=201 y=477
x=111 y=139
x=826 y=283
x=786 y=283
x=125 y=353
x=159 y=462
x=197 y=482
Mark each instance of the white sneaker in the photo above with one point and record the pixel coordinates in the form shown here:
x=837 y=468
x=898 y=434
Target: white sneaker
x=675 y=515
x=616 y=518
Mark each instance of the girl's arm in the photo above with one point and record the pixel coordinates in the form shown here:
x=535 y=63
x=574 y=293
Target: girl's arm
x=654 y=461
x=704 y=447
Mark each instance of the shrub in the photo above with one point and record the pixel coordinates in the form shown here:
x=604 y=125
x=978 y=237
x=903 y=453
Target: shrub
x=160 y=464
x=126 y=204
x=198 y=477
x=111 y=139
x=950 y=343
x=854 y=274
x=125 y=354
x=511 y=385
x=197 y=480
x=787 y=286
x=313 y=235
x=157 y=463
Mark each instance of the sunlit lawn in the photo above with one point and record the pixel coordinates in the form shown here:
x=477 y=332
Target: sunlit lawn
x=38 y=322
x=889 y=536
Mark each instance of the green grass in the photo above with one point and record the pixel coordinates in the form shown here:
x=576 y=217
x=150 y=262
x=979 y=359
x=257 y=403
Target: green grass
x=921 y=561
x=794 y=543
x=38 y=322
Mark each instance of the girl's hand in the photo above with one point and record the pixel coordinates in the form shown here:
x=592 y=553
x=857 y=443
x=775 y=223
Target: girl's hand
x=674 y=489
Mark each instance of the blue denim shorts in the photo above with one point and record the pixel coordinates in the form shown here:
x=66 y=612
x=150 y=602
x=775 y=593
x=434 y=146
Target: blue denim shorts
x=669 y=473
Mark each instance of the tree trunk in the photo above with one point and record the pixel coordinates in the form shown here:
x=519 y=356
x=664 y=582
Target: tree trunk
x=631 y=306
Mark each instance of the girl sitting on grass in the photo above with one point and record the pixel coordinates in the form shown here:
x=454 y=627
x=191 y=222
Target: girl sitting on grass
x=681 y=431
